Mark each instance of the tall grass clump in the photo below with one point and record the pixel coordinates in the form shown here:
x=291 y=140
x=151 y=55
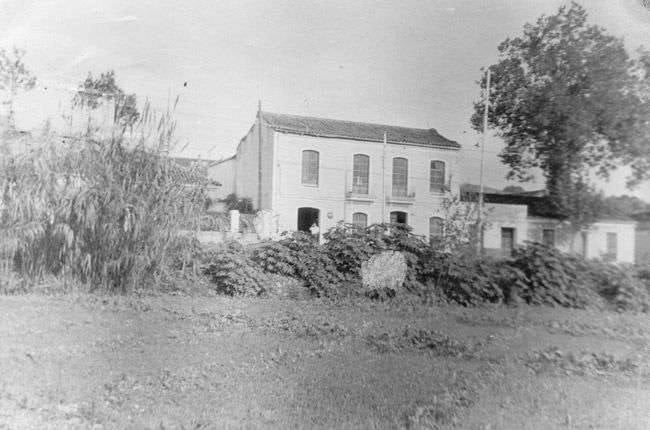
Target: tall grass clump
x=101 y=209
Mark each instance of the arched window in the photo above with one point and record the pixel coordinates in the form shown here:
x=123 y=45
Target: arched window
x=310 y=167
x=437 y=177
x=359 y=219
x=360 y=173
x=400 y=176
x=435 y=228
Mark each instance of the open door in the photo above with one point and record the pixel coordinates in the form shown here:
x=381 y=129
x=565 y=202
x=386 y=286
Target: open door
x=307 y=219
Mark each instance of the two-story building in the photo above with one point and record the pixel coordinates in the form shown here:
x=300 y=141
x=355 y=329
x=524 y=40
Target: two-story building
x=319 y=171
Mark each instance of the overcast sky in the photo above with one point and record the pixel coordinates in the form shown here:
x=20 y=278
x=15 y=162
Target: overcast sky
x=410 y=63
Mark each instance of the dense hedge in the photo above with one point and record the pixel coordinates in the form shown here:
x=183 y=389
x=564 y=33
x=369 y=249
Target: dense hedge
x=233 y=273
x=535 y=274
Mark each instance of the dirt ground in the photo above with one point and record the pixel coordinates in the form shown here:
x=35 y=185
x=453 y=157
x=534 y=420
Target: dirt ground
x=196 y=362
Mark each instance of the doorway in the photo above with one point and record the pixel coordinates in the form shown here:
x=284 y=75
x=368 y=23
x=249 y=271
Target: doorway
x=507 y=241
x=308 y=217
x=398 y=217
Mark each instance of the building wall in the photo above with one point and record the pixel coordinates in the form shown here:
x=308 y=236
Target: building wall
x=569 y=241
x=504 y=216
x=224 y=173
x=597 y=240
x=642 y=245
x=247 y=165
x=563 y=235
x=335 y=178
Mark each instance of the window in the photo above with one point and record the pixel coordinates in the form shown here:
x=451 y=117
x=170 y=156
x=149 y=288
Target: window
x=437 y=177
x=400 y=177
x=398 y=217
x=548 y=237
x=435 y=228
x=310 y=167
x=360 y=173
x=507 y=241
x=612 y=247
x=359 y=219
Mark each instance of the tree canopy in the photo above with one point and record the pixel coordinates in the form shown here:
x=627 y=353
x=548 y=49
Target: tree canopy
x=93 y=91
x=14 y=77
x=567 y=98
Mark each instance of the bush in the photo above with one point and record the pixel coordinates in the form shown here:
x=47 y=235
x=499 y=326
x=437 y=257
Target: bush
x=234 y=273
x=468 y=280
x=300 y=256
x=617 y=286
x=349 y=246
x=383 y=274
x=553 y=278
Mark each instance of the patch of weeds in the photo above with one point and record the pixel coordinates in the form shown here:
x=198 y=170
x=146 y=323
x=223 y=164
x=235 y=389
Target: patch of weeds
x=553 y=360
x=433 y=341
x=487 y=320
x=113 y=303
x=187 y=379
x=318 y=328
x=118 y=392
x=444 y=409
x=213 y=322
x=574 y=328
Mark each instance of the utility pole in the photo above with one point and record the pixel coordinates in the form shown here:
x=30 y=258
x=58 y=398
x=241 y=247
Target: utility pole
x=259 y=154
x=383 y=181
x=479 y=243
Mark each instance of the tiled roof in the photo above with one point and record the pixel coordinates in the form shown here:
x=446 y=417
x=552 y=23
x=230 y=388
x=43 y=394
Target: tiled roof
x=335 y=128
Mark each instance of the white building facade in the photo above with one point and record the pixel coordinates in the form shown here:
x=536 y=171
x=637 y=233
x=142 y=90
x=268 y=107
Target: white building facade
x=310 y=171
x=510 y=225
x=313 y=173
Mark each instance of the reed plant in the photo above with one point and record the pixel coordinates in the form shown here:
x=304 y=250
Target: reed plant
x=103 y=208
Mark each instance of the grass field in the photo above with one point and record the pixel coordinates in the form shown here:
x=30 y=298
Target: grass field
x=82 y=361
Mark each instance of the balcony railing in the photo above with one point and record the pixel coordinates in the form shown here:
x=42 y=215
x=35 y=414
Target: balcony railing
x=401 y=197
x=356 y=195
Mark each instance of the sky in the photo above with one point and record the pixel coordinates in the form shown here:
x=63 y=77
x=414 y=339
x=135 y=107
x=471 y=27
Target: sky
x=412 y=63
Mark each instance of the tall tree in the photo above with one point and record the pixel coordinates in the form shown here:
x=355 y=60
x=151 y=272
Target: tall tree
x=567 y=98
x=14 y=77
x=93 y=92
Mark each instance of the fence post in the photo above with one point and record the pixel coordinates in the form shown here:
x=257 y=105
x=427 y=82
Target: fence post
x=234 y=222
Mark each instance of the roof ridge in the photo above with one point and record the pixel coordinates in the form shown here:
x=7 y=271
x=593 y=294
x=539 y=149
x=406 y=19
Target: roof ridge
x=330 y=127
x=351 y=122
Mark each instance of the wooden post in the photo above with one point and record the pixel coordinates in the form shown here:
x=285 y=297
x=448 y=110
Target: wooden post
x=479 y=244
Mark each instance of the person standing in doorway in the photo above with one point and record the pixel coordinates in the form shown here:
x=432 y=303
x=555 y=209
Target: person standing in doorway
x=314 y=230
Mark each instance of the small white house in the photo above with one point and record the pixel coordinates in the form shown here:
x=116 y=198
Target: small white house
x=515 y=218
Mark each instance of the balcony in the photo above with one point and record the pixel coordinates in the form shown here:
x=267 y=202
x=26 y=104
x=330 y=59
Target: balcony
x=355 y=195
x=401 y=198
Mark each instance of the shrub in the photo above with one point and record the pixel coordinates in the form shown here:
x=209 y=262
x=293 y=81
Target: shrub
x=234 y=273
x=243 y=205
x=552 y=277
x=617 y=286
x=383 y=274
x=399 y=237
x=300 y=256
x=349 y=246
x=468 y=280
